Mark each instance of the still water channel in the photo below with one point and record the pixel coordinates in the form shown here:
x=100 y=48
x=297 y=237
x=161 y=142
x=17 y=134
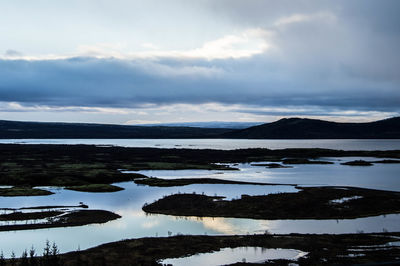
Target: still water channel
x=135 y=223
x=228 y=144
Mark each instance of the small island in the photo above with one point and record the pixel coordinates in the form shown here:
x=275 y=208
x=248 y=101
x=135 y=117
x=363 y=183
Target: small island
x=56 y=218
x=358 y=163
x=95 y=188
x=23 y=191
x=308 y=203
x=160 y=182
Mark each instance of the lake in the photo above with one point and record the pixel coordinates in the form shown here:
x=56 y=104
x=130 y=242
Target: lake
x=232 y=255
x=378 y=176
x=227 y=144
x=135 y=223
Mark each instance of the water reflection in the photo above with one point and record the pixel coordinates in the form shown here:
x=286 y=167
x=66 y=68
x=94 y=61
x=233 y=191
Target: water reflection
x=135 y=223
x=378 y=176
x=227 y=144
x=240 y=254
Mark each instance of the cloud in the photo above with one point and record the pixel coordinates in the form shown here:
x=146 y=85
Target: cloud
x=312 y=111
x=247 y=43
x=17 y=107
x=149 y=45
x=298 y=18
x=279 y=58
x=10 y=53
x=260 y=81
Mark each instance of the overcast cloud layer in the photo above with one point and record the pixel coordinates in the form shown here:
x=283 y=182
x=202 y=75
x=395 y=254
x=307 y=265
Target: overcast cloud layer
x=261 y=58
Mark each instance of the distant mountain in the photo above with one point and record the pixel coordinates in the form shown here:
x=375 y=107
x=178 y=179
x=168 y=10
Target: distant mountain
x=211 y=124
x=302 y=128
x=43 y=130
x=288 y=128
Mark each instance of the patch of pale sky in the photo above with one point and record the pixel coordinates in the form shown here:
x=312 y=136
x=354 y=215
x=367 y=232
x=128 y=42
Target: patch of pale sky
x=245 y=44
x=299 y=18
x=186 y=112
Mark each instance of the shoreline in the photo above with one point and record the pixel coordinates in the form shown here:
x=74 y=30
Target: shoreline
x=320 y=249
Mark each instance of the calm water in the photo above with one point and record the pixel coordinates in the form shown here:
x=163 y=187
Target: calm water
x=135 y=223
x=232 y=255
x=226 y=144
x=378 y=176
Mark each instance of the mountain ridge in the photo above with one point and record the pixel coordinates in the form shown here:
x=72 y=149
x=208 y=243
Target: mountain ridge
x=60 y=130
x=305 y=128
x=285 y=128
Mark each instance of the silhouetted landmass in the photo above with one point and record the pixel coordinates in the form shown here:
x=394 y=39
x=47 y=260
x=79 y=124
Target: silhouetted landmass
x=70 y=218
x=304 y=161
x=271 y=165
x=323 y=249
x=387 y=161
x=287 y=128
x=300 y=128
x=41 y=130
x=214 y=124
x=308 y=203
x=22 y=216
x=76 y=165
x=160 y=182
x=23 y=191
x=357 y=163
x=98 y=188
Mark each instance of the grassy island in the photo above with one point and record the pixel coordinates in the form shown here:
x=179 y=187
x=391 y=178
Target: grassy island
x=159 y=182
x=95 y=188
x=53 y=219
x=23 y=191
x=308 y=203
x=358 y=163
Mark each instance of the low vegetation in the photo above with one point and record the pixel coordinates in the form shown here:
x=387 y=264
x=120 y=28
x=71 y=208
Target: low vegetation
x=357 y=163
x=271 y=165
x=49 y=257
x=22 y=216
x=93 y=169
x=387 y=161
x=56 y=219
x=345 y=249
x=76 y=165
x=95 y=188
x=159 y=182
x=308 y=203
x=23 y=191
x=304 y=161
x=179 y=166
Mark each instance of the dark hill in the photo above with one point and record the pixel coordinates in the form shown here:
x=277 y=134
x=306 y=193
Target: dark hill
x=39 y=130
x=288 y=128
x=301 y=128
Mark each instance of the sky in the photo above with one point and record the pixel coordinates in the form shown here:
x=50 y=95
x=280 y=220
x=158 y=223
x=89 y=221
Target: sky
x=157 y=61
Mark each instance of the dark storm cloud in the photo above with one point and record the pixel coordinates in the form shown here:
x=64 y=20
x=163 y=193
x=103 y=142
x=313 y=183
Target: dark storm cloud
x=361 y=36
x=123 y=83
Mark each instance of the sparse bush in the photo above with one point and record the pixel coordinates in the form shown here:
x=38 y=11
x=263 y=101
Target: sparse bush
x=32 y=257
x=13 y=260
x=2 y=260
x=24 y=259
